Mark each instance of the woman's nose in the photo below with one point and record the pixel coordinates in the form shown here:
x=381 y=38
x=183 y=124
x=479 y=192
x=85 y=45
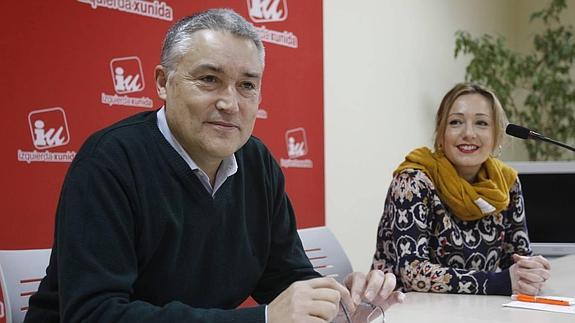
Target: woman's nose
x=469 y=131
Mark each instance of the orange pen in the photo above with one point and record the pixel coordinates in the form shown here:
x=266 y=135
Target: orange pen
x=535 y=299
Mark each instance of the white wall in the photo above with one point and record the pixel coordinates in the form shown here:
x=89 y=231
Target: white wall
x=387 y=65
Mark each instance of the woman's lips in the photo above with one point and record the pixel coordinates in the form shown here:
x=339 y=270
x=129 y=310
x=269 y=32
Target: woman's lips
x=467 y=149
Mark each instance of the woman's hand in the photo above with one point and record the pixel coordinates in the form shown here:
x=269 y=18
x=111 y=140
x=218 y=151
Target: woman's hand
x=529 y=274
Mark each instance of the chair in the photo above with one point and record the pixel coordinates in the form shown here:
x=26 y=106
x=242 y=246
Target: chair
x=20 y=274
x=325 y=253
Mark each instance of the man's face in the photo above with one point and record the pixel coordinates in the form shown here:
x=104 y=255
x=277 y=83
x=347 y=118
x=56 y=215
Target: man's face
x=213 y=96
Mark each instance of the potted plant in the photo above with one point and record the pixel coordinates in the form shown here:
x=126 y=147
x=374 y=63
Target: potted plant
x=536 y=89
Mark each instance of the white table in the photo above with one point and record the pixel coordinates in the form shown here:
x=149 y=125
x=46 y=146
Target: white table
x=445 y=308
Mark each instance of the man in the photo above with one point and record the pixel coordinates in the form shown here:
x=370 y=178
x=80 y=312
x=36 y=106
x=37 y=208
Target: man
x=179 y=215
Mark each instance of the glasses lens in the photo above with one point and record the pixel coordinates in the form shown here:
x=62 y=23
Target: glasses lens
x=365 y=312
x=376 y=315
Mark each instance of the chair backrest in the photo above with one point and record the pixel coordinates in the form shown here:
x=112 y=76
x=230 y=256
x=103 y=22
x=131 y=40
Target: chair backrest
x=325 y=253
x=20 y=274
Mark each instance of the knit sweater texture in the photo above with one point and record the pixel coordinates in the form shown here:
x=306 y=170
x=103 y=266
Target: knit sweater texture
x=139 y=239
x=429 y=249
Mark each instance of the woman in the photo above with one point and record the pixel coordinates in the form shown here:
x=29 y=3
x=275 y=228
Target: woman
x=454 y=220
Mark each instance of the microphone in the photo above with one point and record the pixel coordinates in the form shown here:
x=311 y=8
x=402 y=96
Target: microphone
x=524 y=133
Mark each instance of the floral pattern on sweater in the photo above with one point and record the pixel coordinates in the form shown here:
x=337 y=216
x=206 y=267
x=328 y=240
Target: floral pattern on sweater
x=429 y=249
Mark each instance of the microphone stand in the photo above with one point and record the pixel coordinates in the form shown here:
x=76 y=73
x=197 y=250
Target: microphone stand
x=535 y=135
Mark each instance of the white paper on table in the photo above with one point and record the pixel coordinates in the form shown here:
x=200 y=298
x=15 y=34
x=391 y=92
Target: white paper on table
x=545 y=307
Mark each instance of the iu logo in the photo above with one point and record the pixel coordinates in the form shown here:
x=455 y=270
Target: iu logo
x=49 y=128
x=127 y=74
x=267 y=10
x=296 y=142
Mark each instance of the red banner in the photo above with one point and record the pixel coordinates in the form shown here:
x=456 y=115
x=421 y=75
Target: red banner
x=73 y=67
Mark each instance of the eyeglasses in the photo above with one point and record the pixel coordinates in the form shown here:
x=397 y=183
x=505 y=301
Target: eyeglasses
x=365 y=312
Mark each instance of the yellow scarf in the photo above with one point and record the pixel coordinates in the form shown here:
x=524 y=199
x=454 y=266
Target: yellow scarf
x=468 y=201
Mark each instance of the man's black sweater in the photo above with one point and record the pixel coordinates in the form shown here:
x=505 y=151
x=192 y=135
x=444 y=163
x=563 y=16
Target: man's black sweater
x=139 y=239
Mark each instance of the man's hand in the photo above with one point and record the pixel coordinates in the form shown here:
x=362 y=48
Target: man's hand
x=529 y=274
x=314 y=300
x=376 y=288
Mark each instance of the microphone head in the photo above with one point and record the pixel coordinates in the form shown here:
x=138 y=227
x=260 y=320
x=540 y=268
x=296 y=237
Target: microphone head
x=517 y=131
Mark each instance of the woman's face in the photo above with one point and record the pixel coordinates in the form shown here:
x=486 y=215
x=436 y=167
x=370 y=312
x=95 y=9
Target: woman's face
x=469 y=135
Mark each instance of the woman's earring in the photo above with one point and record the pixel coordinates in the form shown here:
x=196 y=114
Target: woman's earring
x=439 y=151
x=497 y=152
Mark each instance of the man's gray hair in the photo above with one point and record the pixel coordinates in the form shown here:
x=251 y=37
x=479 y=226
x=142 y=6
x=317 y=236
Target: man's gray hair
x=178 y=39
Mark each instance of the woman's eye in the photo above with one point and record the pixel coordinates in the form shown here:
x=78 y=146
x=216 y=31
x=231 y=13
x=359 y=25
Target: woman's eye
x=482 y=123
x=455 y=122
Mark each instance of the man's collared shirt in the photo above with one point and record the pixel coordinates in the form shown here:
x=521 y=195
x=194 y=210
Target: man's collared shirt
x=228 y=167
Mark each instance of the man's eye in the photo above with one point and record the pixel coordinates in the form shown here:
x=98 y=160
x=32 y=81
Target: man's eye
x=248 y=85
x=208 y=79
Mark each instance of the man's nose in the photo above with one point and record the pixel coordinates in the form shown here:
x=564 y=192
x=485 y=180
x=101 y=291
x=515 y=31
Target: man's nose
x=228 y=100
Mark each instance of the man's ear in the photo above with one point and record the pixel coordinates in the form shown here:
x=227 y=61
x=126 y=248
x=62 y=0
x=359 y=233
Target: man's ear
x=161 y=76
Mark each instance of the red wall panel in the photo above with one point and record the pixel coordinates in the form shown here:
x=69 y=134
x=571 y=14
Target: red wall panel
x=60 y=84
